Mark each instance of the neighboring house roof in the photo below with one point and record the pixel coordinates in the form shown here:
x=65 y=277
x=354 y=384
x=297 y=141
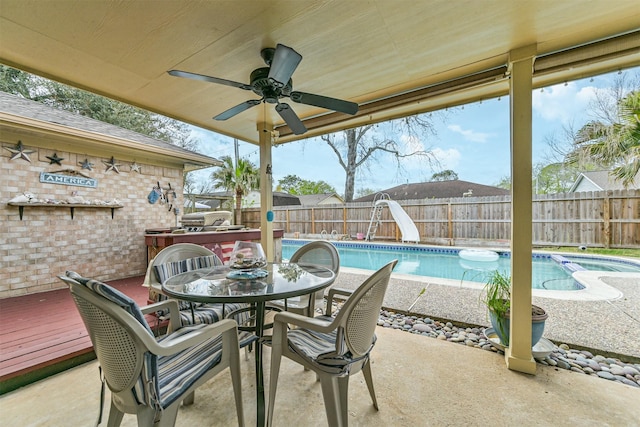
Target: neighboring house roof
x=438 y=190
x=285 y=199
x=213 y=200
x=599 y=181
x=40 y=116
x=279 y=199
x=198 y=205
x=210 y=203
x=320 y=199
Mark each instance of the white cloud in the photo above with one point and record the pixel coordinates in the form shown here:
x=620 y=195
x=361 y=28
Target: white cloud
x=448 y=158
x=562 y=102
x=469 y=135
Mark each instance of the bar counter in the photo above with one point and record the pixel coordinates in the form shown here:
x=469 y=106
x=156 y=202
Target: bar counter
x=220 y=242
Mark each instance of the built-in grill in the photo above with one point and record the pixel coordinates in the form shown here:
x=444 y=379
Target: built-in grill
x=200 y=221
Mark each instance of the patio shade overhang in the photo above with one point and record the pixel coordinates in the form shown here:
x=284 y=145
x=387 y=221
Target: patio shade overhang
x=393 y=59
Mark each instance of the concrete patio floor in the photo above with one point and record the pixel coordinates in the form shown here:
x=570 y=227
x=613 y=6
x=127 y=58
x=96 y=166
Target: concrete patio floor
x=419 y=382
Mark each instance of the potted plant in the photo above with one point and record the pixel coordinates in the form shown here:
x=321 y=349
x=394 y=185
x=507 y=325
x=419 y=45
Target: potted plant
x=497 y=298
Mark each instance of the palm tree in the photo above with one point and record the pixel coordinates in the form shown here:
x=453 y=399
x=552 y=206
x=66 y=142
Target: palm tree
x=240 y=178
x=615 y=144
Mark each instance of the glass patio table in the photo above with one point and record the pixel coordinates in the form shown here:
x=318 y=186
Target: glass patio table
x=275 y=281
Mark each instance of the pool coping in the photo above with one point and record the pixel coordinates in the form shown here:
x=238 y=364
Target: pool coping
x=594 y=288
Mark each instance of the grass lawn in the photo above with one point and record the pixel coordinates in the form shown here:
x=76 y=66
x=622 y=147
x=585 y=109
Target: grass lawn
x=634 y=253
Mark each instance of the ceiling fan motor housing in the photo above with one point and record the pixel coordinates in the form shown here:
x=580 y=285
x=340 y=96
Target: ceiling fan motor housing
x=261 y=86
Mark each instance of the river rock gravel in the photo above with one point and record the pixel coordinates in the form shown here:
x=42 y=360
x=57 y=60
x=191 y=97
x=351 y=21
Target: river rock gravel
x=562 y=356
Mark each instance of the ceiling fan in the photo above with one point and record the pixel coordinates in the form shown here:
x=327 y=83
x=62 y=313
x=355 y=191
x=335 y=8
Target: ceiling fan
x=273 y=83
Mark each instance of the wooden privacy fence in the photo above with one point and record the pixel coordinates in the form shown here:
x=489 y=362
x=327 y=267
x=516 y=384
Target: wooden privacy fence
x=600 y=219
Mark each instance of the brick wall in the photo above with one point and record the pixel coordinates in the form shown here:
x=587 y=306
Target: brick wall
x=46 y=242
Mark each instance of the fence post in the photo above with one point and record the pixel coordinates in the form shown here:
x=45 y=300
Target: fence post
x=344 y=221
x=287 y=219
x=606 y=216
x=449 y=223
x=313 y=221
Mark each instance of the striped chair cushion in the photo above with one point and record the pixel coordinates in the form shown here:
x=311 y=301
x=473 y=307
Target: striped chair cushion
x=208 y=313
x=179 y=371
x=112 y=295
x=327 y=351
x=170 y=269
x=120 y=299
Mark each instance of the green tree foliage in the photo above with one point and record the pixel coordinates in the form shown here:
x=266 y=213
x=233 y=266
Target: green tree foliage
x=505 y=182
x=394 y=141
x=553 y=178
x=240 y=179
x=445 y=175
x=615 y=142
x=58 y=95
x=293 y=184
x=15 y=82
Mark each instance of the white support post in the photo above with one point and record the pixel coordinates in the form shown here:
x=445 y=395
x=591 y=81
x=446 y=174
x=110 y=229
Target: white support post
x=518 y=355
x=266 y=191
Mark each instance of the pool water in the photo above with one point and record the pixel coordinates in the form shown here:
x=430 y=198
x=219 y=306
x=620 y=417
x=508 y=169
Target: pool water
x=445 y=263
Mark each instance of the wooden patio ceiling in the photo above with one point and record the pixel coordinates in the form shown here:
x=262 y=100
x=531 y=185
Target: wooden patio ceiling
x=392 y=58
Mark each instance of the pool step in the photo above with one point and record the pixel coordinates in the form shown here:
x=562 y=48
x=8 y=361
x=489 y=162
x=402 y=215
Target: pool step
x=567 y=264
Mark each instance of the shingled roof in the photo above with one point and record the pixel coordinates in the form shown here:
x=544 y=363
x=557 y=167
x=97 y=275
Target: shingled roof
x=601 y=180
x=438 y=190
x=17 y=106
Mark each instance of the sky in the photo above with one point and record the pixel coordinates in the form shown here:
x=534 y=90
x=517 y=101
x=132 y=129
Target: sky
x=472 y=140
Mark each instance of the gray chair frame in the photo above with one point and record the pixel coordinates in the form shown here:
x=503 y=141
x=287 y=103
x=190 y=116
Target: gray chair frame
x=120 y=342
x=354 y=330
x=319 y=252
x=172 y=253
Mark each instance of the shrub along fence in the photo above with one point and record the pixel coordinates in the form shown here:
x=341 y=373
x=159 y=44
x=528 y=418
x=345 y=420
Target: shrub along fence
x=609 y=219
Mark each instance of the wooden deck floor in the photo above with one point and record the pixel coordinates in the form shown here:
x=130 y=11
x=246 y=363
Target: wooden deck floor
x=42 y=334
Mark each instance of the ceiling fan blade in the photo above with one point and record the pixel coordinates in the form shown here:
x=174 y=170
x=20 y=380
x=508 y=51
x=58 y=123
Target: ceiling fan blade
x=194 y=76
x=237 y=109
x=325 y=102
x=284 y=63
x=291 y=118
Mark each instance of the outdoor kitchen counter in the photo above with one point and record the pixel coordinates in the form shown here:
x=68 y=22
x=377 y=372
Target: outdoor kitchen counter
x=220 y=242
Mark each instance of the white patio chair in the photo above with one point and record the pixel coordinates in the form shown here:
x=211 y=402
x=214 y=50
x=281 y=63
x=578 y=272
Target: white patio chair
x=319 y=252
x=334 y=348
x=149 y=377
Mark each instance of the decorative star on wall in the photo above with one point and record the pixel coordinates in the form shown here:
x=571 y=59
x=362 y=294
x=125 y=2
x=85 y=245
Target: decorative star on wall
x=112 y=165
x=86 y=164
x=20 y=153
x=135 y=167
x=55 y=159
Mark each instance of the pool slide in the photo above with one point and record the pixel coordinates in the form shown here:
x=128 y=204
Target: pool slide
x=405 y=223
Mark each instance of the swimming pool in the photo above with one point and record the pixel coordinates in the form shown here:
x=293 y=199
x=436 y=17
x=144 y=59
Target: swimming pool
x=550 y=272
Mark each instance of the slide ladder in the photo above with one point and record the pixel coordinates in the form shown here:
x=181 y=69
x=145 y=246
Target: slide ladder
x=376 y=214
x=405 y=223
